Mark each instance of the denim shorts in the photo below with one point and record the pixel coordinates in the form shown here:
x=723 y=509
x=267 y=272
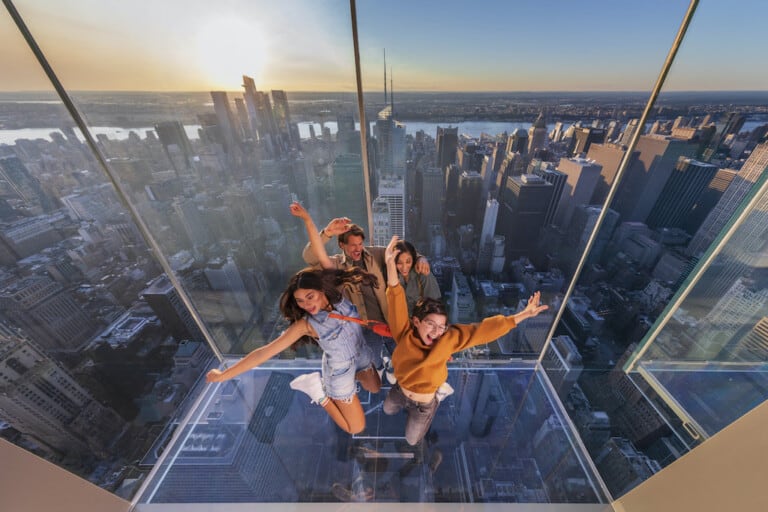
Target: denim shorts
x=339 y=375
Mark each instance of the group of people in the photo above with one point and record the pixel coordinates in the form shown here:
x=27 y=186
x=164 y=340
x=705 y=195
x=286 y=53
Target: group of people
x=389 y=285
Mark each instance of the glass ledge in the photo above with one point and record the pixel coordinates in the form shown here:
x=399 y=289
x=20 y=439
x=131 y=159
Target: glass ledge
x=499 y=438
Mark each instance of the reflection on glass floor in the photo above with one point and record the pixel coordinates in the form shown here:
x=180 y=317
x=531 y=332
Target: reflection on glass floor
x=498 y=438
x=711 y=395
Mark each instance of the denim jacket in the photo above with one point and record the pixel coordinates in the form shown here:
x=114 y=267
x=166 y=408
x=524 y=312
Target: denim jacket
x=340 y=340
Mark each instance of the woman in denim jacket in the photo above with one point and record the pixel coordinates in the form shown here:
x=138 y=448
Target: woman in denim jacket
x=307 y=301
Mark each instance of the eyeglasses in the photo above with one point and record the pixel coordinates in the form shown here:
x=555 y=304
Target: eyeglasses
x=433 y=326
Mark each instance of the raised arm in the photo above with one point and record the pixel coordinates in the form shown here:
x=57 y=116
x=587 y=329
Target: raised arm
x=288 y=337
x=533 y=308
x=315 y=242
x=335 y=227
x=397 y=307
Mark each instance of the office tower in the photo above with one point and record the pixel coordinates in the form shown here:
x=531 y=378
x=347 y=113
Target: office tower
x=680 y=194
x=19 y=182
x=612 y=131
x=563 y=364
x=622 y=466
x=523 y=203
x=730 y=201
x=644 y=181
x=609 y=156
x=348 y=190
x=167 y=305
x=582 y=177
x=557 y=179
x=517 y=142
x=452 y=174
x=261 y=116
x=390 y=135
x=728 y=124
x=579 y=230
x=193 y=221
x=486 y=243
x=224 y=276
x=512 y=165
x=447 y=140
x=741 y=305
x=251 y=105
x=25 y=237
x=382 y=229
x=537 y=135
x=488 y=173
x=430 y=183
x=469 y=198
x=753 y=346
x=243 y=121
x=175 y=143
x=287 y=132
x=462 y=307
x=551 y=447
x=347 y=137
x=40 y=399
x=47 y=312
x=228 y=126
x=584 y=137
x=708 y=199
x=392 y=190
x=629 y=132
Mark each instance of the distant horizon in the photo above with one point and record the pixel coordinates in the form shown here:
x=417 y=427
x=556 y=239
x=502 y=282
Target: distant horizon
x=381 y=91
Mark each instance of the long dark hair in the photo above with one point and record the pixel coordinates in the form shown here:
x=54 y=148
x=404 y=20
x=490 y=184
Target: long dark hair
x=327 y=281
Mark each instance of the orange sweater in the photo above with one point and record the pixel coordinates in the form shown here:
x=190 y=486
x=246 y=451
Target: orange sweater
x=420 y=368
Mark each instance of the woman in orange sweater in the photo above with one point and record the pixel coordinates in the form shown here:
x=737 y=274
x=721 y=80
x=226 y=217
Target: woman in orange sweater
x=425 y=343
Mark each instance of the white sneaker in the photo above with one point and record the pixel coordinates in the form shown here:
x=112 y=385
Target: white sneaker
x=389 y=371
x=444 y=391
x=311 y=384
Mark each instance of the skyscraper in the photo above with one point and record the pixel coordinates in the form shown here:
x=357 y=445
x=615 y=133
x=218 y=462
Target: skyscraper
x=522 y=206
x=431 y=197
x=645 y=180
x=43 y=401
x=348 y=186
x=165 y=302
x=679 y=195
x=582 y=177
x=537 y=135
x=447 y=140
x=230 y=128
x=730 y=201
x=392 y=190
x=470 y=191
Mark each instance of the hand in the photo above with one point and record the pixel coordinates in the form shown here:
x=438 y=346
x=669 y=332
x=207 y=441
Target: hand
x=297 y=210
x=390 y=253
x=338 y=226
x=534 y=306
x=422 y=266
x=215 y=376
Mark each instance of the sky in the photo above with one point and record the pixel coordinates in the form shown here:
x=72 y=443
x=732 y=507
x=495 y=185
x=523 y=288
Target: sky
x=446 y=45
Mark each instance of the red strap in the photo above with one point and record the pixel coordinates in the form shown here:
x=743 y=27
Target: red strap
x=378 y=327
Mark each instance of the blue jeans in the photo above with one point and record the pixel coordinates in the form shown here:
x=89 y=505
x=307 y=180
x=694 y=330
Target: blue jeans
x=420 y=415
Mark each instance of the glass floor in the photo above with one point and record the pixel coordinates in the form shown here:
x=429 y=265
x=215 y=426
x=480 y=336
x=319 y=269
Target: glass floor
x=500 y=438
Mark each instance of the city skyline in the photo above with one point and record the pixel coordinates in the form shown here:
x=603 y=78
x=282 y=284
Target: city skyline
x=305 y=46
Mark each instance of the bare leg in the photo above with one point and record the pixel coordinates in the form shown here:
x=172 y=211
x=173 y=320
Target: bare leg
x=349 y=416
x=369 y=379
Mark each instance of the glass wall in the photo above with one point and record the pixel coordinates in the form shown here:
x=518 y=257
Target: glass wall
x=669 y=337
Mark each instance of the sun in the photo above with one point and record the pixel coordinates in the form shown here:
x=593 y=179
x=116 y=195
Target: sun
x=229 y=48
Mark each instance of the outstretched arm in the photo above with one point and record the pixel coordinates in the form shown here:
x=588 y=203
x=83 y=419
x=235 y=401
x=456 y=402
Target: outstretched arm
x=532 y=309
x=292 y=334
x=315 y=242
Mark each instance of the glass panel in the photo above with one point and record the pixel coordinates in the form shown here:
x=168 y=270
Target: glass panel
x=249 y=443
x=211 y=171
x=697 y=157
x=89 y=369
